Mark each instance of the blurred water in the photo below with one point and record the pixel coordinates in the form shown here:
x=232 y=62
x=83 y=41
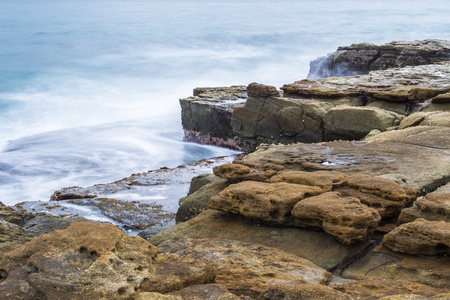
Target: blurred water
x=89 y=89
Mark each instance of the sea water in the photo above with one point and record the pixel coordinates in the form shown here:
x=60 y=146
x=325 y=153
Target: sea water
x=89 y=89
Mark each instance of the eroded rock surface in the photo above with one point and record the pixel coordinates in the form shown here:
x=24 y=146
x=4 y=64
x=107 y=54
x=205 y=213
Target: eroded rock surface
x=420 y=237
x=433 y=207
x=85 y=260
x=346 y=218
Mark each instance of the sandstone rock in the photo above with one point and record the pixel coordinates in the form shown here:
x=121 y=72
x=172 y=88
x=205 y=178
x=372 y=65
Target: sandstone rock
x=426 y=119
x=206 y=116
x=316 y=246
x=354 y=123
x=375 y=289
x=434 y=207
x=206 y=291
x=364 y=57
x=304 y=292
x=442 y=98
x=237 y=173
x=244 y=269
x=86 y=260
x=386 y=155
x=261 y=90
x=382 y=263
x=420 y=237
x=346 y=218
x=408 y=84
x=11 y=237
x=197 y=202
x=323 y=179
x=382 y=194
x=272 y=202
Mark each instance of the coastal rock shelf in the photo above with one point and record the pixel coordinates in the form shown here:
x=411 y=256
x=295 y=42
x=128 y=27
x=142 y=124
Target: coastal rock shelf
x=345 y=195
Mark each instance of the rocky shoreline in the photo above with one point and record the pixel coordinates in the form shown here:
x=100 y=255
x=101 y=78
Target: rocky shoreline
x=344 y=194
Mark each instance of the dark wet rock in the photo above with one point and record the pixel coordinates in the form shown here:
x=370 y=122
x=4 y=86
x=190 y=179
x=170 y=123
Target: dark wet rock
x=206 y=115
x=359 y=59
x=197 y=202
x=420 y=237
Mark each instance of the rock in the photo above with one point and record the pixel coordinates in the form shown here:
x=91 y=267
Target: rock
x=375 y=289
x=354 y=123
x=197 y=202
x=386 y=155
x=346 y=218
x=382 y=263
x=420 y=237
x=386 y=196
x=304 y=292
x=278 y=120
x=11 y=237
x=244 y=269
x=236 y=173
x=316 y=246
x=206 y=116
x=408 y=84
x=362 y=58
x=323 y=179
x=201 y=180
x=271 y=202
x=426 y=119
x=442 y=98
x=42 y=224
x=261 y=90
x=434 y=207
x=86 y=260
x=205 y=291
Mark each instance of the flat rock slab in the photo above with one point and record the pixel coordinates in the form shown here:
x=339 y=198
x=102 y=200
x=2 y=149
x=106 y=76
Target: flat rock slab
x=433 y=207
x=243 y=268
x=388 y=155
x=316 y=246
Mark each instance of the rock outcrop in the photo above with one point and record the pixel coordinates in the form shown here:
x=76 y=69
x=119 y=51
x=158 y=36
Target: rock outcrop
x=432 y=207
x=359 y=59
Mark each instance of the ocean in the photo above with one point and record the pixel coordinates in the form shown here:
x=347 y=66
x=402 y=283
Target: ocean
x=89 y=89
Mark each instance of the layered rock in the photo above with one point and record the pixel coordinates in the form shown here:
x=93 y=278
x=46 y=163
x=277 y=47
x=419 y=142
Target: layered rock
x=433 y=207
x=271 y=202
x=244 y=269
x=420 y=237
x=346 y=218
x=204 y=291
x=326 y=180
x=206 y=115
x=359 y=59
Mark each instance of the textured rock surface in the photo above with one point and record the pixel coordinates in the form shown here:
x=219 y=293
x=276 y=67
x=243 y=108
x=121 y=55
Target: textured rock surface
x=237 y=172
x=272 y=202
x=354 y=123
x=433 y=207
x=386 y=196
x=206 y=291
x=304 y=292
x=316 y=246
x=244 y=269
x=426 y=119
x=387 y=155
x=346 y=218
x=420 y=237
x=85 y=260
x=323 y=179
x=365 y=57
x=374 y=289
x=206 y=115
